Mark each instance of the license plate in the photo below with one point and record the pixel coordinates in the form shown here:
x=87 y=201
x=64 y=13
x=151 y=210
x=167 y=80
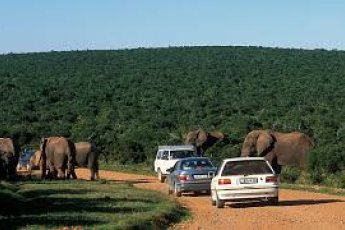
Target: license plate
x=248 y=180
x=200 y=176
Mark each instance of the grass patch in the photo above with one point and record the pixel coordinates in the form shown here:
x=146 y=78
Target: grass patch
x=314 y=188
x=90 y=205
x=142 y=169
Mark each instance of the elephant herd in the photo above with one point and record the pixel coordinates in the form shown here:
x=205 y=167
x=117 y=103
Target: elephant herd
x=57 y=158
x=280 y=149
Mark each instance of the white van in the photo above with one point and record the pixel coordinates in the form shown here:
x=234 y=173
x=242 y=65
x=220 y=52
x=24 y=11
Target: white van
x=168 y=155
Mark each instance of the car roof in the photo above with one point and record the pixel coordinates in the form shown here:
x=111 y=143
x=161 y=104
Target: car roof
x=245 y=159
x=176 y=147
x=195 y=158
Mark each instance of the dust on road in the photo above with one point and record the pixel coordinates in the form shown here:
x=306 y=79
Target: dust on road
x=297 y=209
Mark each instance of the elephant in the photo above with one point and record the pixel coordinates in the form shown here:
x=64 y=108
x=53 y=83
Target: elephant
x=59 y=154
x=9 y=155
x=87 y=156
x=203 y=140
x=280 y=149
x=35 y=161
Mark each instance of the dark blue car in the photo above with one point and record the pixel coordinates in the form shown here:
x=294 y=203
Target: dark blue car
x=193 y=174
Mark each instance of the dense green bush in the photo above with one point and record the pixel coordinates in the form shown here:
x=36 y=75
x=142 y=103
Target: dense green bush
x=130 y=101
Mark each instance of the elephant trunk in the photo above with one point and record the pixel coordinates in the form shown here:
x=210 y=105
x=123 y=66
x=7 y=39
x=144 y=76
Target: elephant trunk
x=43 y=158
x=246 y=150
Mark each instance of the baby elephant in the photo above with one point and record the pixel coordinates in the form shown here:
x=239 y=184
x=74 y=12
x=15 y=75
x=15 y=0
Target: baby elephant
x=87 y=156
x=35 y=161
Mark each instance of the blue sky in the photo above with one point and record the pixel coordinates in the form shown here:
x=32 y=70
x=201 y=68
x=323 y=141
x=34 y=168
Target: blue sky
x=44 y=25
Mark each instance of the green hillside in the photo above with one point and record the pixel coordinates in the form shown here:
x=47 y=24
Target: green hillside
x=132 y=100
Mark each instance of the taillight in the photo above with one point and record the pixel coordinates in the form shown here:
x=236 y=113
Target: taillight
x=271 y=179
x=184 y=177
x=224 y=181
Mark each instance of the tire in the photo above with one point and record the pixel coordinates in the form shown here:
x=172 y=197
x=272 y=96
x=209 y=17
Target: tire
x=273 y=201
x=161 y=178
x=176 y=191
x=213 y=201
x=219 y=203
x=197 y=193
x=169 y=190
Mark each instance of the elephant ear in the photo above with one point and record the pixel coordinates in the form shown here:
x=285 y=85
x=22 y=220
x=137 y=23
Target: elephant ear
x=264 y=143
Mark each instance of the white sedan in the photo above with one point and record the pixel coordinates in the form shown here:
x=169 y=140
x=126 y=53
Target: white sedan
x=244 y=178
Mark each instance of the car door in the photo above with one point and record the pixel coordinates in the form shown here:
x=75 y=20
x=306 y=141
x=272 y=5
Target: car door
x=173 y=175
x=164 y=162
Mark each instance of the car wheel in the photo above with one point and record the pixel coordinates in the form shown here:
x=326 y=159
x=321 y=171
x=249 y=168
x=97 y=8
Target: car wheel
x=219 y=203
x=161 y=178
x=273 y=201
x=176 y=191
x=169 y=190
x=213 y=198
x=197 y=193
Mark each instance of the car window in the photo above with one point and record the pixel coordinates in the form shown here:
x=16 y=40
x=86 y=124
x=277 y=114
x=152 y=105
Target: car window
x=177 y=154
x=196 y=164
x=219 y=168
x=176 y=166
x=159 y=155
x=246 y=168
x=165 y=155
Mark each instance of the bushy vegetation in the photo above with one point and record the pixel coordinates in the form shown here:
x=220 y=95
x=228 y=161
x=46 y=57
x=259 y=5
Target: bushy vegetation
x=42 y=205
x=130 y=101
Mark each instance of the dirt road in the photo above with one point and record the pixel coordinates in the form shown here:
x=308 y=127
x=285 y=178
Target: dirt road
x=297 y=210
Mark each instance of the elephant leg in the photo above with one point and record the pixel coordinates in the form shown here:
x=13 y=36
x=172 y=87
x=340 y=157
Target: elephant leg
x=93 y=166
x=276 y=167
x=51 y=170
x=73 y=174
x=43 y=166
x=70 y=166
x=60 y=164
x=61 y=173
x=96 y=170
x=92 y=174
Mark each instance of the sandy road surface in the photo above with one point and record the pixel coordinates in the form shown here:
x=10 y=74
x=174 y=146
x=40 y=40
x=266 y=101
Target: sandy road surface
x=297 y=210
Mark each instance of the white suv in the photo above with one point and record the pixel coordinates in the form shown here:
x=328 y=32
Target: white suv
x=168 y=155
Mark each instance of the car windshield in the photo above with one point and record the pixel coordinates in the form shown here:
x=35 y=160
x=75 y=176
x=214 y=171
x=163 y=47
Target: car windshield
x=196 y=164
x=246 y=168
x=181 y=154
x=25 y=156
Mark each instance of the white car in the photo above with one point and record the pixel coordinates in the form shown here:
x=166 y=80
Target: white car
x=244 y=178
x=168 y=155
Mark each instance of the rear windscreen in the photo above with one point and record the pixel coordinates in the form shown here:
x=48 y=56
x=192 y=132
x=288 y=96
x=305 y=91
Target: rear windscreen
x=246 y=168
x=181 y=154
x=196 y=164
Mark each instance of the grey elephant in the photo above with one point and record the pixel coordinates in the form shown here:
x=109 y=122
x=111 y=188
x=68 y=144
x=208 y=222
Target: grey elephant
x=280 y=149
x=59 y=154
x=9 y=154
x=87 y=156
x=203 y=140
